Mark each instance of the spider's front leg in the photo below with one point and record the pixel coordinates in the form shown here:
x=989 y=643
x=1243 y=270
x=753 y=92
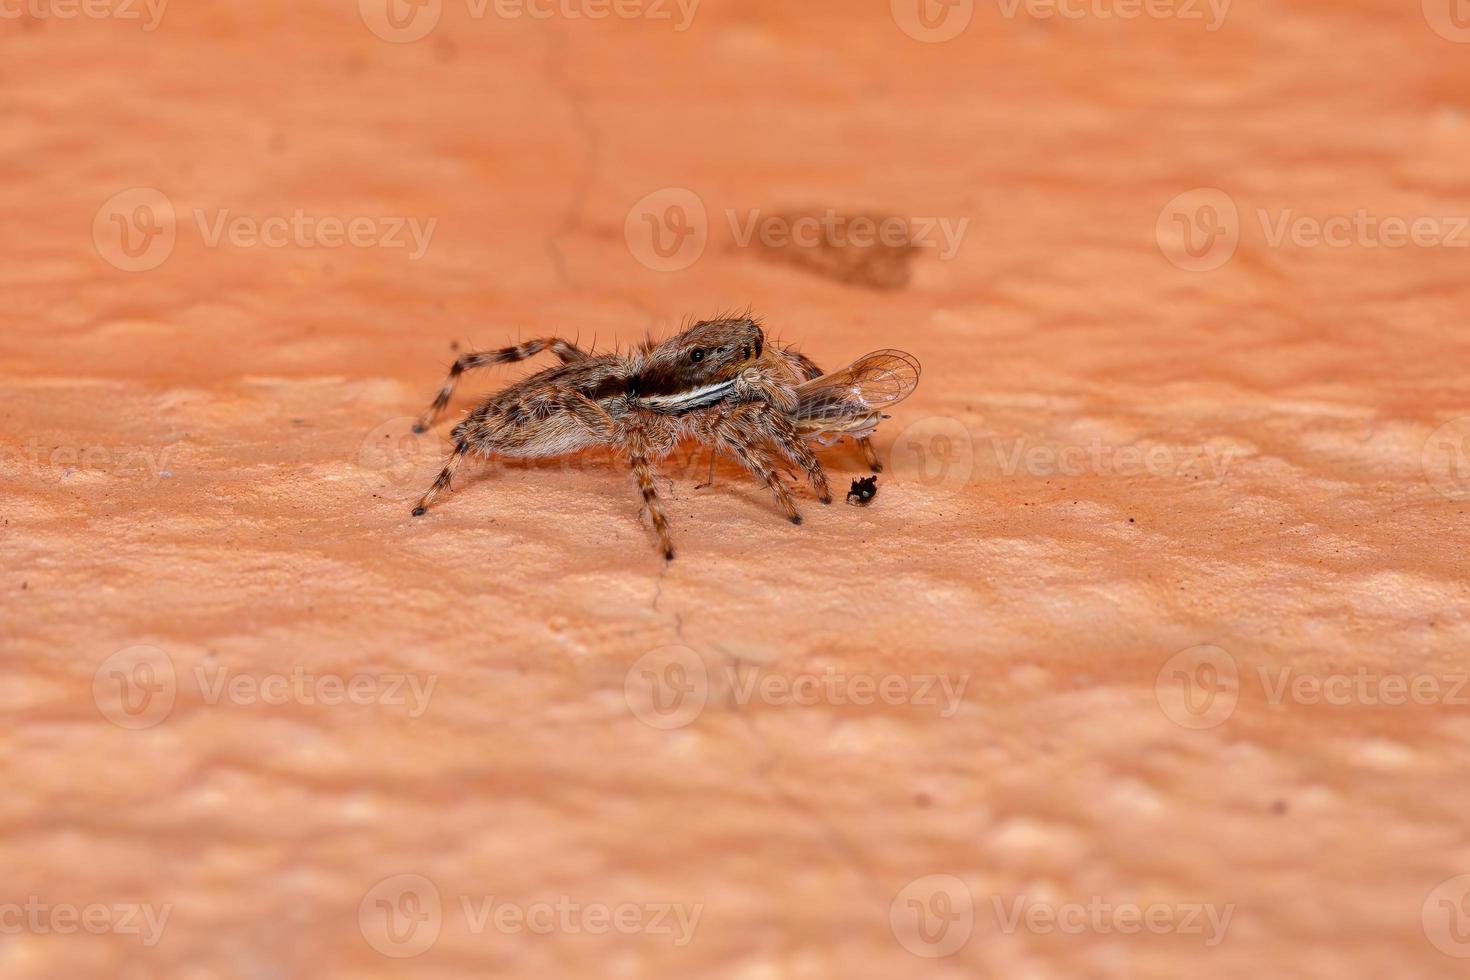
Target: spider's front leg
x=768 y=422
x=757 y=423
x=728 y=428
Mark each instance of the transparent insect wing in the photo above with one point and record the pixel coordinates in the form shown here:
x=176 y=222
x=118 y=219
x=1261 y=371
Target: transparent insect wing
x=873 y=381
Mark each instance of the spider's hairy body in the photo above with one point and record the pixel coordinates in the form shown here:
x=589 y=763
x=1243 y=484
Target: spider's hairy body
x=717 y=382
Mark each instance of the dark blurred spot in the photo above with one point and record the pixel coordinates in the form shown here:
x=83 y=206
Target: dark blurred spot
x=873 y=251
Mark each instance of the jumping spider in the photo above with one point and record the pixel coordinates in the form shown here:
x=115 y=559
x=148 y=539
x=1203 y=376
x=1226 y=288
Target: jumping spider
x=718 y=382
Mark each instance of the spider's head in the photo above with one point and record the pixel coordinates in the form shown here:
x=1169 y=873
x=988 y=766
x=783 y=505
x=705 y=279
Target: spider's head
x=716 y=350
x=691 y=367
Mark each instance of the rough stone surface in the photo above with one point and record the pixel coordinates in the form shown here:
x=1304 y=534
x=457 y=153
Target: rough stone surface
x=1111 y=463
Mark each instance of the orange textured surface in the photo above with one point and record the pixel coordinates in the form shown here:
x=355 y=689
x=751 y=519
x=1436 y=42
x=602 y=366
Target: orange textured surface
x=1161 y=607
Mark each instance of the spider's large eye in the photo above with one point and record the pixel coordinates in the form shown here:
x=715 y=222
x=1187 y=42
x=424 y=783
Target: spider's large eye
x=696 y=355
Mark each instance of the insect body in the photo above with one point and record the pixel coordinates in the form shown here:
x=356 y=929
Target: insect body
x=862 y=492
x=717 y=382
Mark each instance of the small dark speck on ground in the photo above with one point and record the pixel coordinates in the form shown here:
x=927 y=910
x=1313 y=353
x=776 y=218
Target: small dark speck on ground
x=1130 y=520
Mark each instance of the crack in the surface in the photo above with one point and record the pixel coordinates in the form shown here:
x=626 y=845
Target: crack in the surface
x=847 y=854
x=591 y=141
x=844 y=850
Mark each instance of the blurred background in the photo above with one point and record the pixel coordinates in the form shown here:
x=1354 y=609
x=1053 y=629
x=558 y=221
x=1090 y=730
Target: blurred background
x=1148 y=659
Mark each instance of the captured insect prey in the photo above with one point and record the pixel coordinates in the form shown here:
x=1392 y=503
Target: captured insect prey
x=718 y=382
x=863 y=491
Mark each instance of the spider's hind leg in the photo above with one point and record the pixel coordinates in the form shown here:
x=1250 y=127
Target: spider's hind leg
x=445 y=475
x=557 y=422
x=564 y=349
